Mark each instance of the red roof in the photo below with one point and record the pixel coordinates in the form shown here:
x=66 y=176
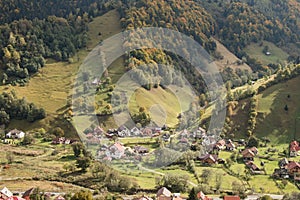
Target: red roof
x=119 y=146
x=232 y=198
x=202 y=196
x=294 y=146
x=292 y=165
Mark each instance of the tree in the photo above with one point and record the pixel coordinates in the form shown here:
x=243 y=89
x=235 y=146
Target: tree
x=193 y=194
x=253 y=142
x=83 y=163
x=58 y=132
x=77 y=148
x=219 y=179
x=178 y=183
x=266 y=197
x=82 y=195
x=27 y=140
x=238 y=188
x=206 y=176
x=4 y=118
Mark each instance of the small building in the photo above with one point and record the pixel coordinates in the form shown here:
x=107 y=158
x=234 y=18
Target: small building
x=15 y=134
x=249 y=154
x=115 y=151
x=141 y=150
x=220 y=145
x=164 y=194
x=230 y=146
x=209 y=159
x=253 y=168
x=135 y=131
x=202 y=196
x=5 y=193
x=293 y=168
x=59 y=197
x=294 y=148
x=283 y=163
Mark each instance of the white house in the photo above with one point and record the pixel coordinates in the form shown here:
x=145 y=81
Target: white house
x=115 y=151
x=135 y=131
x=15 y=134
x=6 y=193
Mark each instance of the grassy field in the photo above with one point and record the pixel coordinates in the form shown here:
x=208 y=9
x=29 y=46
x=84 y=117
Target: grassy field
x=229 y=60
x=273 y=120
x=277 y=54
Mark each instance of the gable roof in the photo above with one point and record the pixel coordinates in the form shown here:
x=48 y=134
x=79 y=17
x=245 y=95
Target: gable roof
x=119 y=146
x=6 y=192
x=164 y=191
x=248 y=153
x=293 y=165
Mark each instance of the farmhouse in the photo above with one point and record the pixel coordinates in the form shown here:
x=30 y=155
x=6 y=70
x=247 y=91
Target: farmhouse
x=294 y=148
x=115 y=151
x=249 y=154
x=209 y=159
x=163 y=194
x=230 y=146
x=293 y=168
x=220 y=145
x=15 y=134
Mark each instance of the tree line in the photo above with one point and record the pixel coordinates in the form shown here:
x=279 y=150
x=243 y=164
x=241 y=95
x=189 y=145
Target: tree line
x=20 y=109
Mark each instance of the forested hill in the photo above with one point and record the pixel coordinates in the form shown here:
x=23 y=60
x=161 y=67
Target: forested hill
x=11 y=10
x=32 y=31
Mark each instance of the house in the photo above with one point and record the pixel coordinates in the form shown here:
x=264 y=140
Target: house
x=253 y=168
x=59 y=197
x=220 y=145
x=5 y=194
x=164 y=194
x=147 y=132
x=249 y=154
x=60 y=140
x=98 y=131
x=209 y=159
x=15 y=134
x=135 y=131
x=232 y=198
x=115 y=151
x=141 y=150
x=281 y=173
x=294 y=148
x=230 y=146
x=293 y=168
x=283 y=163
x=202 y=196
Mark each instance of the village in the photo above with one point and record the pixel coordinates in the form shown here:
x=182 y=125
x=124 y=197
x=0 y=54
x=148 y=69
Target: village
x=137 y=144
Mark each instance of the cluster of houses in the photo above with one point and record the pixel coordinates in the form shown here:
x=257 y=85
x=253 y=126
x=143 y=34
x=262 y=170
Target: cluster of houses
x=118 y=151
x=6 y=194
x=287 y=169
x=165 y=194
